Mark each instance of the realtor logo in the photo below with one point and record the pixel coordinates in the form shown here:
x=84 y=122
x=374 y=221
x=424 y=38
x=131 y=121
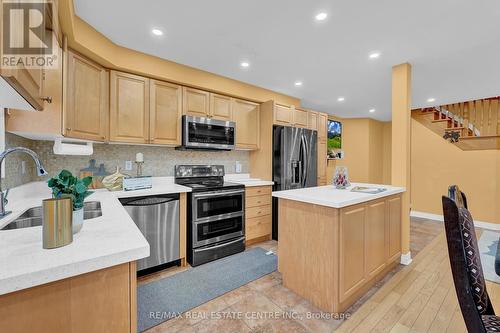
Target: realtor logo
x=26 y=38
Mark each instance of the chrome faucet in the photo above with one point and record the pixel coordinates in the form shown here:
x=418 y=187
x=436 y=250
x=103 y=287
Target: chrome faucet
x=39 y=170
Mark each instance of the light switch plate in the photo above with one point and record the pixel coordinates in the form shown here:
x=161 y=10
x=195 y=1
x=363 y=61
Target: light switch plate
x=238 y=167
x=128 y=165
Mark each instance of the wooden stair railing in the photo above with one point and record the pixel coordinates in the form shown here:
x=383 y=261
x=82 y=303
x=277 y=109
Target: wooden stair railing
x=472 y=125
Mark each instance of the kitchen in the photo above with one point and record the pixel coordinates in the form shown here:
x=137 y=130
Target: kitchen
x=206 y=158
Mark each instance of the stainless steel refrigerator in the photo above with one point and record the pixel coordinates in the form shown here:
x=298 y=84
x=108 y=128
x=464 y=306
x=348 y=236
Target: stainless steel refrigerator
x=294 y=162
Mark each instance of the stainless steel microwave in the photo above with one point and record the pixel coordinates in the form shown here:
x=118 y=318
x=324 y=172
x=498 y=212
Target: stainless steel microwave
x=207 y=133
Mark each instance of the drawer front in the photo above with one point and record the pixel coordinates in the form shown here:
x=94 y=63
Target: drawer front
x=260 y=200
x=258 y=227
x=258 y=211
x=258 y=190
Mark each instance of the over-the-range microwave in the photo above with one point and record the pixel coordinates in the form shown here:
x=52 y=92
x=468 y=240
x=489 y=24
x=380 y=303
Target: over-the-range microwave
x=207 y=133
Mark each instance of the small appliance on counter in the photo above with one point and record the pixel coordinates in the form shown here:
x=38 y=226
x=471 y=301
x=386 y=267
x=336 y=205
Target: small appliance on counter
x=216 y=213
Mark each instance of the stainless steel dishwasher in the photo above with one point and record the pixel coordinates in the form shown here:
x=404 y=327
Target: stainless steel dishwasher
x=157 y=217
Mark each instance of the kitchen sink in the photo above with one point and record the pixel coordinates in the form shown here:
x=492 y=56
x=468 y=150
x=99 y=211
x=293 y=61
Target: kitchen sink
x=33 y=216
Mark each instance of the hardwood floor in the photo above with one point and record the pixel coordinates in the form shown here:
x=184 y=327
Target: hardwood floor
x=419 y=298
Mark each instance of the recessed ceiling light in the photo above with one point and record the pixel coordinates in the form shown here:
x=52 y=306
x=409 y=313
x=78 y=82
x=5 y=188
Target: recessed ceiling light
x=321 y=16
x=157 y=32
x=245 y=64
x=430 y=100
x=340 y=99
x=371 y=110
x=298 y=83
x=374 y=55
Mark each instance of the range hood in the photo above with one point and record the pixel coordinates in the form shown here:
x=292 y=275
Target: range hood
x=11 y=99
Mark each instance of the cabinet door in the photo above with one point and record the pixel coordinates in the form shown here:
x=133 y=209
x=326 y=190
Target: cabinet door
x=247 y=117
x=394 y=227
x=283 y=115
x=165 y=113
x=322 y=159
x=129 y=108
x=300 y=118
x=195 y=102
x=85 y=110
x=313 y=120
x=376 y=254
x=352 y=250
x=220 y=107
x=322 y=126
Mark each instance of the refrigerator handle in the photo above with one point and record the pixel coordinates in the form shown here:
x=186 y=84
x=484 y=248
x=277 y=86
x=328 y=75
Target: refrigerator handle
x=305 y=155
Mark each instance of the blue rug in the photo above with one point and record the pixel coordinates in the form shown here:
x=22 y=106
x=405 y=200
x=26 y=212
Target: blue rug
x=163 y=299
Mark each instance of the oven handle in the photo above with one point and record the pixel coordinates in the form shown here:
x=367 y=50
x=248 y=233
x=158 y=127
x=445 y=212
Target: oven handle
x=220 y=245
x=215 y=218
x=217 y=194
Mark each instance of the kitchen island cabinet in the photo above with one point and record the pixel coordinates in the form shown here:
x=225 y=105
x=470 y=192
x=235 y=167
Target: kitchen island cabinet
x=334 y=244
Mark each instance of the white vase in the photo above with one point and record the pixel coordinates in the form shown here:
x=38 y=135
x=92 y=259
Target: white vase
x=77 y=220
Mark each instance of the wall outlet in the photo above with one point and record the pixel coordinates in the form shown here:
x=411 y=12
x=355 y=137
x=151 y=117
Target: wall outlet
x=238 y=167
x=23 y=167
x=128 y=165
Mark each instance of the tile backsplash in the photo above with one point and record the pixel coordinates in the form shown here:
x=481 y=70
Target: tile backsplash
x=158 y=161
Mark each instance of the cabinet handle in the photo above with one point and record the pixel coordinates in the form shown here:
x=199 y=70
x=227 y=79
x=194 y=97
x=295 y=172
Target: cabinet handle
x=47 y=99
x=68 y=128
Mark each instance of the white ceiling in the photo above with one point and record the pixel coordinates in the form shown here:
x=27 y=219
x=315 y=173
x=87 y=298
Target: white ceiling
x=453 y=45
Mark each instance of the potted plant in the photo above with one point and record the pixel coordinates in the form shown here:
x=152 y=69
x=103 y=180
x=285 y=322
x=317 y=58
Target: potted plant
x=66 y=185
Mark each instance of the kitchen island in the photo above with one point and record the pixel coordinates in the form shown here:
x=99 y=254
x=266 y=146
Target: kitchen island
x=335 y=244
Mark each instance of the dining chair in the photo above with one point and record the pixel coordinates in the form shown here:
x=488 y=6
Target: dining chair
x=470 y=286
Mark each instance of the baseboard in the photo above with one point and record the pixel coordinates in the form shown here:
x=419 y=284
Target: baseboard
x=436 y=217
x=406 y=259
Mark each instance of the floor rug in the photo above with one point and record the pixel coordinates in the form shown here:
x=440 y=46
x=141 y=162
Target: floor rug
x=166 y=298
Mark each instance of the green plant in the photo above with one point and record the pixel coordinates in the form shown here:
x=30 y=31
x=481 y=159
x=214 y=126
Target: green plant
x=66 y=185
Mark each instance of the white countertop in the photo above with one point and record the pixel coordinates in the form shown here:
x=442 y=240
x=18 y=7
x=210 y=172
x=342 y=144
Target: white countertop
x=331 y=197
x=244 y=178
x=106 y=241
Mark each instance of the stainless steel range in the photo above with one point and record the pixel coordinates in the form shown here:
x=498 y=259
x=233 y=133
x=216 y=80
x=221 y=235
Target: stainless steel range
x=216 y=213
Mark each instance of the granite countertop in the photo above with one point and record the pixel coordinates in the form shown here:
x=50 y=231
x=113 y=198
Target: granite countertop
x=105 y=241
x=331 y=197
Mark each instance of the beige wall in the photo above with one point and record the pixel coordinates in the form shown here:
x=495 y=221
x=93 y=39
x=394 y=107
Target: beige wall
x=387 y=153
x=436 y=164
x=365 y=150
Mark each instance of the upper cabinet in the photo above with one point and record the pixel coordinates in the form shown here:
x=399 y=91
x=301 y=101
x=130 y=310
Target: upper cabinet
x=129 y=108
x=322 y=126
x=247 y=117
x=220 y=107
x=283 y=115
x=85 y=110
x=300 y=118
x=165 y=113
x=196 y=102
x=313 y=120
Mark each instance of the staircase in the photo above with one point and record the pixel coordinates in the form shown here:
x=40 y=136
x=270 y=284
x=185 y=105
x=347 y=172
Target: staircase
x=473 y=125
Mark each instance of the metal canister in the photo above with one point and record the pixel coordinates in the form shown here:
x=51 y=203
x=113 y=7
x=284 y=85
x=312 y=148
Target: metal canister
x=57 y=222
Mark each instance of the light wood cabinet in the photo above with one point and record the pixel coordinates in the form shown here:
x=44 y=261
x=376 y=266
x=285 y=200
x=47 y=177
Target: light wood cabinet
x=300 y=118
x=322 y=162
x=247 y=117
x=129 y=108
x=258 y=214
x=283 y=115
x=352 y=237
x=221 y=107
x=100 y=301
x=85 y=111
x=165 y=113
x=195 y=102
x=313 y=120
x=375 y=231
x=393 y=228
x=322 y=126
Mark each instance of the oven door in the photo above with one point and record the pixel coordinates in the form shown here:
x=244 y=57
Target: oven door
x=216 y=205
x=208 y=133
x=216 y=230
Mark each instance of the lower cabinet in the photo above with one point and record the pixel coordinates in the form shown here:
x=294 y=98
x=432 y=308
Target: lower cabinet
x=258 y=214
x=100 y=301
x=370 y=242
